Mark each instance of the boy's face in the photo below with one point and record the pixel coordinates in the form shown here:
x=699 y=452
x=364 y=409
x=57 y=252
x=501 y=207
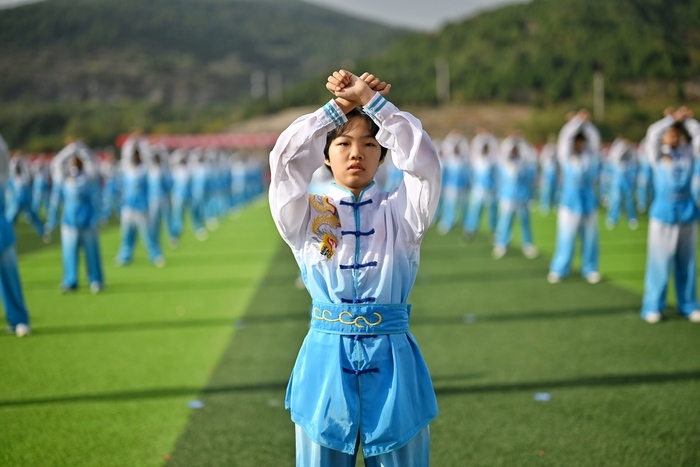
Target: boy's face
x=354 y=157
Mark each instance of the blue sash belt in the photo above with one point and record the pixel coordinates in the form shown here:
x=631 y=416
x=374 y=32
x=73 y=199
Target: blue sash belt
x=360 y=318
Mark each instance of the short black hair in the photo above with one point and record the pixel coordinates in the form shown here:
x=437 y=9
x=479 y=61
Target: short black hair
x=357 y=112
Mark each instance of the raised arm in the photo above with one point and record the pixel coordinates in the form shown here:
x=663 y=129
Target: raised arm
x=414 y=154
x=565 y=141
x=298 y=152
x=653 y=138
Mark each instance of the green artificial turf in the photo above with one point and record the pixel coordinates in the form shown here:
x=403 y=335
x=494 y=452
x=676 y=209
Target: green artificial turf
x=106 y=380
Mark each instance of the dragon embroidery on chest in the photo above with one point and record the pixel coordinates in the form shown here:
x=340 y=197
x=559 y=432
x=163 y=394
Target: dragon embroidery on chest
x=324 y=220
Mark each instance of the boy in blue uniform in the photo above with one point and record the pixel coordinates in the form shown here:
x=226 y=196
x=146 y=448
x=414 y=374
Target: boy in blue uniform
x=76 y=186
x=578 y=150
x=515 y=175
x=549 y=178
x=359 y=379
x=455 y=173
x=179 y=194
x=16 y=312
x=673 y=216
x=482 y=184
x=134 y=206
x=622 y=160
x=20 y=194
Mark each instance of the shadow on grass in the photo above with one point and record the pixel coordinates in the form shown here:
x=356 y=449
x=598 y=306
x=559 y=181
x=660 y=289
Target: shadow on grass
x=279 y=386
x=476 y=318
x=587 y=382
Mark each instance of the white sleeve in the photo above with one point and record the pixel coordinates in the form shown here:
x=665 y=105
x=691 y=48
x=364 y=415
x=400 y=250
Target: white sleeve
x=592 y=136
x=693 y=127
x=565 y=141
x=296 y=155
x=653 y=139
x=414 y=154
x=506 y=148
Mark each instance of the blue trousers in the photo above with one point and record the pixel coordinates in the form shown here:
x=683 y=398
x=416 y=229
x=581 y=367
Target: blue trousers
x=478 y=199
x=11 y=289
x=619 y=195
x=72 y=239
x=507 y=211
x=156 y=213
x=414 y=454
x=135 y=223
x=198 y=213
x=671 y=246
x=177 y=216
x=571 y=225
x=449 y=209
x=548 y=190
x=15 y=209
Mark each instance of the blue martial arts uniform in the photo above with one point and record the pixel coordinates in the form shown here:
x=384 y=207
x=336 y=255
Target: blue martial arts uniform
x=623 y=180
x=482 y=184
x=134 y=205
x=577 y=214
x=673 y=220
x=76 y=192
x=515 y=174
x=359 y=373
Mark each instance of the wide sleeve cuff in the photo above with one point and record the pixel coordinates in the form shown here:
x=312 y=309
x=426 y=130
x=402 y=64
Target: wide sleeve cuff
x=334 y=113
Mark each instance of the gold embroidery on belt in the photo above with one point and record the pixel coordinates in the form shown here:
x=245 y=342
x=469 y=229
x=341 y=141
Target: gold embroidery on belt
x=327 y=315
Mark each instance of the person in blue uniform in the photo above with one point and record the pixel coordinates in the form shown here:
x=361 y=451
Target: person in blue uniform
x=482 y=184
x=41 y=185
x=200 y=188
x=76 y=188
x=109 y=204
x=455 y=175
x=159 y=184
x=549 y=177
x=515 y=174
x=134 y=206
x=20 y=194
x=622 y=160
x=578 y=150
x=673 y=217
x=11 y=294
x=179 y=194
x=359 y=381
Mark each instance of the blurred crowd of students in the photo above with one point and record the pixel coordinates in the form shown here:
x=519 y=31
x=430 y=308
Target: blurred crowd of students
x=577 y=175
x=151 y=189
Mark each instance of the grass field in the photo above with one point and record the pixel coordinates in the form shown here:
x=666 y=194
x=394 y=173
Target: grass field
x=108 y=380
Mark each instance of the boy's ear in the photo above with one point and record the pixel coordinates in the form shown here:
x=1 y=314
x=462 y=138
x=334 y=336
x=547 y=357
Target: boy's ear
x=327 y=162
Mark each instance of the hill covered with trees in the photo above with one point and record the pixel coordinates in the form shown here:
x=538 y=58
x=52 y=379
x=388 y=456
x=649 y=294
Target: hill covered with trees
x=162 y=59
x=544 y=54
x=97 y=67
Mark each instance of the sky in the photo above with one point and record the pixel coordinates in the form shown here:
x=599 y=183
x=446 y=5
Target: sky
x=419 y=15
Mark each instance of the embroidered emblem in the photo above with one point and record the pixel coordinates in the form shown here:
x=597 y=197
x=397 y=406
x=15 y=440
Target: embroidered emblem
x=346 y=317
x=323 y=224
x=328 y=245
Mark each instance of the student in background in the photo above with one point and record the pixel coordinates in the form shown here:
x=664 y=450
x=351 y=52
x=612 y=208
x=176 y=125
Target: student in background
x=673 y=217
x=578 y=151
x=622 y=160
x=11 y=294
x=515 y=175
x=76 y=191
x=134 y=205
